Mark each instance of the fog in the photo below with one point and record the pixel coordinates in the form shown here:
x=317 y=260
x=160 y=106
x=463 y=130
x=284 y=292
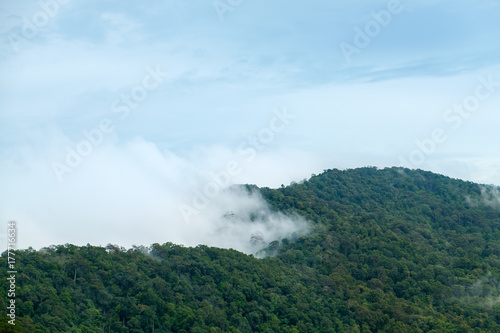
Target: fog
x=490 y=197
x=138 y=194
x=484 y=292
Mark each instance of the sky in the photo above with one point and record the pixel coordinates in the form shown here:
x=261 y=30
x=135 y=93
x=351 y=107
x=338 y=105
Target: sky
x=124 y=122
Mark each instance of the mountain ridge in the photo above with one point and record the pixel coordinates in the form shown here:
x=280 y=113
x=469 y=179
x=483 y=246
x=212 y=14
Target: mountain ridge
x=391 y=250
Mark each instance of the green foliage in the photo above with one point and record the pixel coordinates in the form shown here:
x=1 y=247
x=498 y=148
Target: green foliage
x=392 y=250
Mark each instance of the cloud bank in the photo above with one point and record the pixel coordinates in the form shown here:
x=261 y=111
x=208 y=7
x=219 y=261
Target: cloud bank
x=132 y=194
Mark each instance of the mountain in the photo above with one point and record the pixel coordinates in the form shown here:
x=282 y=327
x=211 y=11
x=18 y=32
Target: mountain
x=390 y=250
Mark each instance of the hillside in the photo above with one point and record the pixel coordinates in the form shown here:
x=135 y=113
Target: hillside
x=392 y=250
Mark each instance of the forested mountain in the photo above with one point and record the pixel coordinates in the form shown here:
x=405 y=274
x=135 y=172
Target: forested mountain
x=392 y=250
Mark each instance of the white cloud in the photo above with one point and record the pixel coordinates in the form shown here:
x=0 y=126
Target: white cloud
x=131 y=194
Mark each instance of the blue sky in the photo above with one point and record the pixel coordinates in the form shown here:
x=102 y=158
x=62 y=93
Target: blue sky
x=224 y=70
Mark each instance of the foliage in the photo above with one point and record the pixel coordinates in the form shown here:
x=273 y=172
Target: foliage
x=393 y=250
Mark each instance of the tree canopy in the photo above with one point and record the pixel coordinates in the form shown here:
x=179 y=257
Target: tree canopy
x=391 y=250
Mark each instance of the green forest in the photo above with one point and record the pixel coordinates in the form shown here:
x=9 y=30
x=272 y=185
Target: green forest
x=390 y=250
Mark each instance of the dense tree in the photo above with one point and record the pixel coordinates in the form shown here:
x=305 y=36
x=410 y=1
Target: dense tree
x=391 y=250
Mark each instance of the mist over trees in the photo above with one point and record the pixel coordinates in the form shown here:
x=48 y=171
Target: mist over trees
x=391 y=250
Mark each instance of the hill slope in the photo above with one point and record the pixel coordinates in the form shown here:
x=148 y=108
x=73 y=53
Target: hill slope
x=392 y=250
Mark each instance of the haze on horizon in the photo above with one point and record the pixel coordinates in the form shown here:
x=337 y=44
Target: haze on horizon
x=116 y=115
